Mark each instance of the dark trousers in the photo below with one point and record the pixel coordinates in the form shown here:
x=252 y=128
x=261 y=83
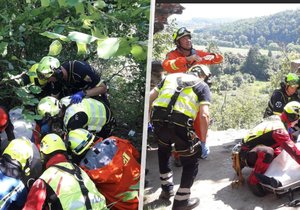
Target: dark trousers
x=259 y=158
x=166 y=135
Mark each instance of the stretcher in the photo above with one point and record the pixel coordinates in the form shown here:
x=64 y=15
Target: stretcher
x=286 y=170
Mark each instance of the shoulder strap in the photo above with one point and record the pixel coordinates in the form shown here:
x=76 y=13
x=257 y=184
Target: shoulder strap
x=180 y=87
x=77 y=173
x=71 y=70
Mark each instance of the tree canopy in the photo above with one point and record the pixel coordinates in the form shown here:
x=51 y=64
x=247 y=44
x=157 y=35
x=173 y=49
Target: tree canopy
x=111 y=34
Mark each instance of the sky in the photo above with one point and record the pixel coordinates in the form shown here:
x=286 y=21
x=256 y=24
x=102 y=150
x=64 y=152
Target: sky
x=232 y=10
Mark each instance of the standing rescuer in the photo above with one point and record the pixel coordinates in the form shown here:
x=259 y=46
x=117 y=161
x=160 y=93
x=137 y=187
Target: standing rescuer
x=185 y=56
x=175 y=103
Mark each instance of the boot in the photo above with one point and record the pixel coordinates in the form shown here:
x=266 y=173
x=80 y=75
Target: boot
x=268 y=180
x=187 y=205
x=257 y=189
x=166 y=195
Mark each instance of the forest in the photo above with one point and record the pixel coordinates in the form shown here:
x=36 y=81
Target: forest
x=269 y=32
x=242 y=84
x=111 y=35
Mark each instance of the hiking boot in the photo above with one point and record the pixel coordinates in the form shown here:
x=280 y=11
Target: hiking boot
x=268 y=180
x=166 y=195
x=257 y=190
x=187 y=205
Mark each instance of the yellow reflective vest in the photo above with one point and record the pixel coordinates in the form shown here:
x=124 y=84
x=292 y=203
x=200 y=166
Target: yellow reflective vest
x=68 y=191
x=187 y=101
x=268 y=125
x=95 y=111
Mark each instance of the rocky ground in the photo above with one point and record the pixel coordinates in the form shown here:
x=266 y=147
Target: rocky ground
x=213 y=182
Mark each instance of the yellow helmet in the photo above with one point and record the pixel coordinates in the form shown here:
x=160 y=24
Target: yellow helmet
x=80 y=140
x=47 y=66
x=49 y=105
x=181 y=33
x=20 y=149
x=34 y=78
x=51 y=143
x=292 y=110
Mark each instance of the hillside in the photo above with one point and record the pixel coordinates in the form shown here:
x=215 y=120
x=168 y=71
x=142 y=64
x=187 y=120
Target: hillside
x=280 y=28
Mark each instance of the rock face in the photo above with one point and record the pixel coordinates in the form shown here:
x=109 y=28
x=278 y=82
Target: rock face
x=163 y=11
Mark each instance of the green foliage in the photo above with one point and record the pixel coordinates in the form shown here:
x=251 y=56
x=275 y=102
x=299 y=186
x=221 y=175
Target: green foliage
x=256 y=64
x=163 y=41
x=231 y=109
x=108 y=33
x=282 y=27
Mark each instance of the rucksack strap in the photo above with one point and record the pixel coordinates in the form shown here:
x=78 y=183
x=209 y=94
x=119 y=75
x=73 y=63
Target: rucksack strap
x=180 y=87
x=77 y=173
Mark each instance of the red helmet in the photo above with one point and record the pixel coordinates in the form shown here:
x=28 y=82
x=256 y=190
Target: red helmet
x=3 y=119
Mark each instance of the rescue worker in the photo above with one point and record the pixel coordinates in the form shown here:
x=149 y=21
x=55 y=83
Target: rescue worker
x=5 y=124
x=286 y=93
x=90 y=114
x=265 y=141
x=111 y=163
x=185 y=56
x=31 y=78
x=75 y=78
x=63 y=185
x=16 y=166
x=49 y=108
x=182 y=59
x=175 y=103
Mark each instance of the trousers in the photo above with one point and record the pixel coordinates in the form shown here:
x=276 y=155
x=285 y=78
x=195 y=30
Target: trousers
x=168 y=134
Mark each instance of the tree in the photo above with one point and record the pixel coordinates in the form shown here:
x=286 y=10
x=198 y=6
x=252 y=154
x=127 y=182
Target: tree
x=256 y=64
x=112 y=35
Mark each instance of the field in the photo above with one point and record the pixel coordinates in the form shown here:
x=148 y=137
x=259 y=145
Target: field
x=241 y=51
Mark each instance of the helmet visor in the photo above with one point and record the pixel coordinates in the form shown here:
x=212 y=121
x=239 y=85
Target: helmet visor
x=83 y=144
x=42 y=76
x=182 y=31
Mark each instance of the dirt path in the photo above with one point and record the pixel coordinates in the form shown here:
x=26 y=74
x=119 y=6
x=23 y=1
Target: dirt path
x=213 y=182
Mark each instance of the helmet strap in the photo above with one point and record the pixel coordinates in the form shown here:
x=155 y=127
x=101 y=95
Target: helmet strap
x=58 y=74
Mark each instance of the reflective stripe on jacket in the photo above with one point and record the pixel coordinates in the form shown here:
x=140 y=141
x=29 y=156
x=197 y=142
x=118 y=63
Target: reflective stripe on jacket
x=187 y=101
x=268 y=125
x=68 y=191
x=95 y=111
x=176 y=62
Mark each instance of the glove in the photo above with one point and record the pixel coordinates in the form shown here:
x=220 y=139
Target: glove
x=77 y=97
x=150 y=127
x=205 y=150
x=208 y=57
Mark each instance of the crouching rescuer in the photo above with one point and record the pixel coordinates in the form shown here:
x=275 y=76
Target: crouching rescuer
x=263 y=143
x=175 y=102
